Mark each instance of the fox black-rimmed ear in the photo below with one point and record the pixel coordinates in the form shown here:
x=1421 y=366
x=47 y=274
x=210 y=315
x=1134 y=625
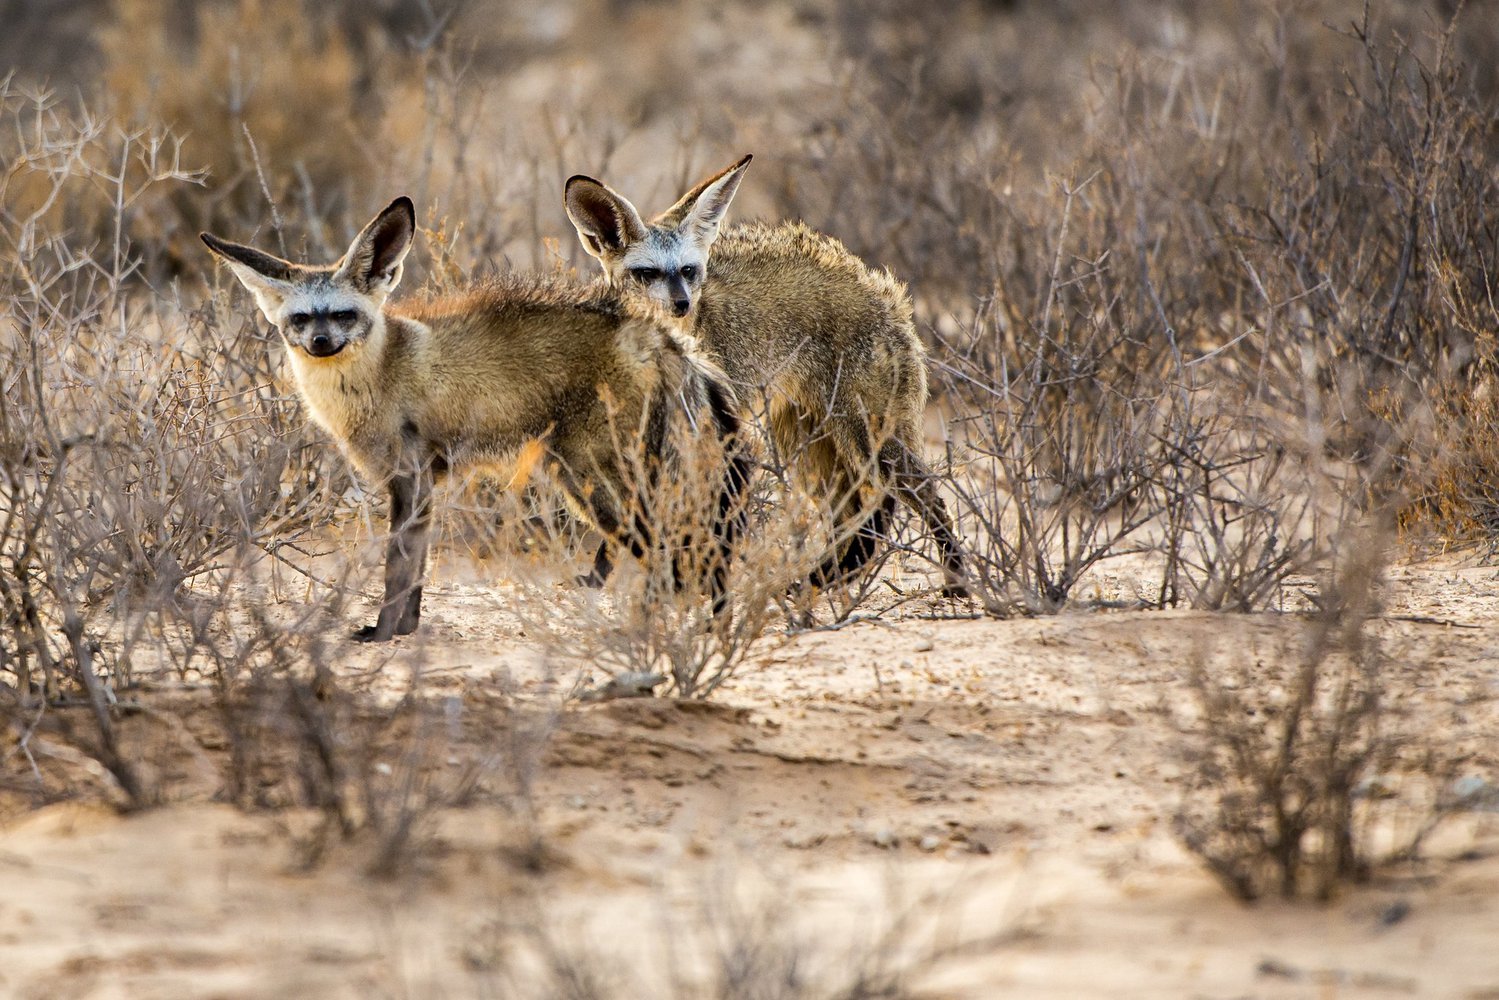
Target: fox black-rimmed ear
x=269 y=278
x=373 y=263
x=606 y=222
x=702 y=209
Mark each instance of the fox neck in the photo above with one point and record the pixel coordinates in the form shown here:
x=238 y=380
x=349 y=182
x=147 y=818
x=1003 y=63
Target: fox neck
x=343 y=392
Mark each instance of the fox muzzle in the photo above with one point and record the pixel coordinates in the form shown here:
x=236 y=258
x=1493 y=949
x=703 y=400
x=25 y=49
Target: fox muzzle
x=324 y=345
x=679 y=295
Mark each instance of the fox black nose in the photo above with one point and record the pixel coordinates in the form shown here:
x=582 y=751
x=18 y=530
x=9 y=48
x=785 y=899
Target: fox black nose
x=321 y=346
x=680 y=306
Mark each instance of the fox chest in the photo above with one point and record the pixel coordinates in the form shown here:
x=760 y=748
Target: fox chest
x=351 y=410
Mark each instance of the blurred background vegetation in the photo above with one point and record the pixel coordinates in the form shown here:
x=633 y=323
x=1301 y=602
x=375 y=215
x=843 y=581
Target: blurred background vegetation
x=910 y=130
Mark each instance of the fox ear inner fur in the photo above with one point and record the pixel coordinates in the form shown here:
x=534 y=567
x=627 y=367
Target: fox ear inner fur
x=374 y=260
x=605 y=221
x=267 y=277
x=703 y=207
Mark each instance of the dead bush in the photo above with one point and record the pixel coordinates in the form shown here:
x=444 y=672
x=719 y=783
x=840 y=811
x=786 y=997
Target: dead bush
x=270 y=98
x=1058 y=440
x=658 y=619
x=1238 y=515
x=146 y=453
x=1370 y=253
x=1296 y=758
x=741 y=938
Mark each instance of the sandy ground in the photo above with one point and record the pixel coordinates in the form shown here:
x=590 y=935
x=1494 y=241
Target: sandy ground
x=989 y=800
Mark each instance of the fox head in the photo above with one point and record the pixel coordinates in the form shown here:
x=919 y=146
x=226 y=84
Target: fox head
x=667 y=258
x=321 y=311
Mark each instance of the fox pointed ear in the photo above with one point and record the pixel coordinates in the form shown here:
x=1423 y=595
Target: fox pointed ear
x=702 y=209
x=373 y=263
x=267 y=277
x=605 y=221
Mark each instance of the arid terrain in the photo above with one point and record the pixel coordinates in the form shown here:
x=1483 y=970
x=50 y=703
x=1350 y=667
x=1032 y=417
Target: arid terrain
x=998 y=791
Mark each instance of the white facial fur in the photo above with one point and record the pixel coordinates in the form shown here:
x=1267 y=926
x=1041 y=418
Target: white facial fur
x=667 y=265
x=318 y=317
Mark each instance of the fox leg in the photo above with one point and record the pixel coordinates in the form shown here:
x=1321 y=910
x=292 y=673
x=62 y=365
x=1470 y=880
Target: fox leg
x=847 y=462
x=598 y=508
x=405 y=557
x=858 y=549
x=730 y=514
x=603 y=565
x=916 y=485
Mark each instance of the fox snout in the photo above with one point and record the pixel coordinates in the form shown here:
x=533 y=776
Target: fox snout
x=322 y=345
x=678 y=295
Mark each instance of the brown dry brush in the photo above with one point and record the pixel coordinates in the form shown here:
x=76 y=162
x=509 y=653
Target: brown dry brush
x=740 y=940
x=1057 y=445
x=656 y=614
x=1236 y=523
x=147 y=455
x=1376 y=244
x=1152 y=326
x=157 y=478
x=1290 y=751
x=1303 y=777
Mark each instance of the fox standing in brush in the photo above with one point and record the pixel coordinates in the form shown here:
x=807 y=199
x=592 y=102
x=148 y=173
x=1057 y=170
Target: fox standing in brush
x=791 y=313
x=413 y=391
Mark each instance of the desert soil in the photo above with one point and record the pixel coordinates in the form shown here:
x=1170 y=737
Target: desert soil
x=1002 y=789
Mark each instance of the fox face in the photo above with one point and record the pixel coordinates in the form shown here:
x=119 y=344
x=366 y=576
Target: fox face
x=323 y=311
x=666 y=259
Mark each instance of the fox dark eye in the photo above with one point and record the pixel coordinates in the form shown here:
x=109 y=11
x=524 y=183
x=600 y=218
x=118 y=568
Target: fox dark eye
x=689 y=272
x=344 y=317
x=644 y=275
x=297 y=320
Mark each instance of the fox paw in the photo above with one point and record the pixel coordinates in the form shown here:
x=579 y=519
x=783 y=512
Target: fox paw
x=369 y=633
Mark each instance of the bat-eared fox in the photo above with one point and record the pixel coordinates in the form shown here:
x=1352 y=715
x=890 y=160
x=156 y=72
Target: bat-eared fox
x=414 y=391
x=826 y=344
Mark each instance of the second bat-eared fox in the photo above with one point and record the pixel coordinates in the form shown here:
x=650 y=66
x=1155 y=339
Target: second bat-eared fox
x=417 y=390
x=825 y=346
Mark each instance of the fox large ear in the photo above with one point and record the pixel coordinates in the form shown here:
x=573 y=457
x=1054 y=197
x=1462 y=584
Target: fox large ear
x=373 y=263
x=605 y=221
x=268 y=278
x=702 y=209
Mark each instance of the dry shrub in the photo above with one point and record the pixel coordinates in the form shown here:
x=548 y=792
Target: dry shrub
x=146 y=455
x=1153 y=323
x=1236 y=520
x=656 y=615
x=1457 y=494
x=1371 y=252
x=1049 y=485
x=1295 y=752
x=372 y=768
x=740 y=938
x=654 y=622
